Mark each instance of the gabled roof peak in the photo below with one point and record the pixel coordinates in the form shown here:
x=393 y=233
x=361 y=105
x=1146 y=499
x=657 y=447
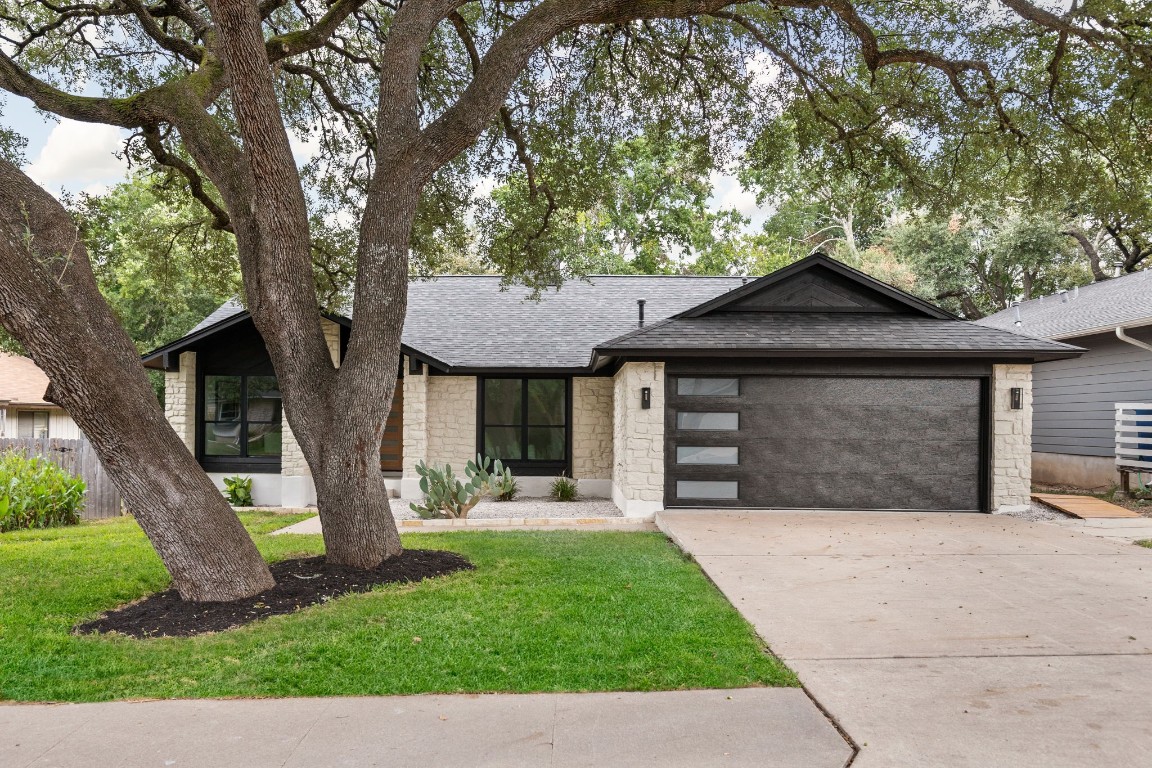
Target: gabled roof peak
x=818 y=283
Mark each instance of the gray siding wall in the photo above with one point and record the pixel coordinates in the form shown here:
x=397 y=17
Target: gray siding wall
x=1074 y=400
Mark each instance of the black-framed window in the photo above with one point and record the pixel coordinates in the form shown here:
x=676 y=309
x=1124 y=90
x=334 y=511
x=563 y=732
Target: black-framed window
x=524 y=422
x=241 y=418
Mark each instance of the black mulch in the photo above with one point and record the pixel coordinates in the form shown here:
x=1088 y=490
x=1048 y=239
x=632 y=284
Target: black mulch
x=299 y=584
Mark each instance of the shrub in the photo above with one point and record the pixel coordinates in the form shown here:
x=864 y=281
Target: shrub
x=564 y=489
x=35 y=493
x=238 y=491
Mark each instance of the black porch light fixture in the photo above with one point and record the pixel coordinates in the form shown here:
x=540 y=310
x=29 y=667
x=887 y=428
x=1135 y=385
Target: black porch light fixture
x=1017 y=398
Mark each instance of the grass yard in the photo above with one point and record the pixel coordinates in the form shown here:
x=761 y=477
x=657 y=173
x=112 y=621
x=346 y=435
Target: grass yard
x=544 y=611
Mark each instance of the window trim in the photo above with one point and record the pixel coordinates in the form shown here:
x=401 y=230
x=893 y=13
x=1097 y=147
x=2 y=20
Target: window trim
x=253 y=464
x=530 y=467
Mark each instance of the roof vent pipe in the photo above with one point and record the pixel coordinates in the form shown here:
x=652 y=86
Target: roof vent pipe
x=1016 y=311
x=1076 y=292
x=1063 y=296
x=640 y=305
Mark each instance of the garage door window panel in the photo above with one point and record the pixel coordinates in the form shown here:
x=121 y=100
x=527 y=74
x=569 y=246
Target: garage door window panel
x=707 y=455
x=705 y=421
x=707 y=387
x=725 y=490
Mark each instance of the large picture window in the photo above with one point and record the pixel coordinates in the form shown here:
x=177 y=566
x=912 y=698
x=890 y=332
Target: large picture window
x=524 y=423
x=242 y=417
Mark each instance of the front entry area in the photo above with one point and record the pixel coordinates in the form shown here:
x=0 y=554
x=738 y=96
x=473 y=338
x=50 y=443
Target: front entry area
x=863 y=442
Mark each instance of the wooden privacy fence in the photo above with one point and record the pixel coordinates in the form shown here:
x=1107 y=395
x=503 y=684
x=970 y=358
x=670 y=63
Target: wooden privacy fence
x=102 y=498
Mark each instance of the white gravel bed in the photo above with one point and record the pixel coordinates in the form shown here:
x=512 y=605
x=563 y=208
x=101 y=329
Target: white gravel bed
x=524 y=507
x=1038 y=512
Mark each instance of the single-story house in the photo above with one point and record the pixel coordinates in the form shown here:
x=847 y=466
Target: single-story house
x=1074 y=406
x=23 y=410
x=814 y=387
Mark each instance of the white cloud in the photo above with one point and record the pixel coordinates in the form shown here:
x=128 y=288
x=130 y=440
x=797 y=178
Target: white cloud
x=79 y=155
x=727 y=193
x=305 y=147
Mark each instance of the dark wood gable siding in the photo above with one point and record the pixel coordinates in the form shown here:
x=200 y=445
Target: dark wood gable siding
x=817 y=290
x=235 y=351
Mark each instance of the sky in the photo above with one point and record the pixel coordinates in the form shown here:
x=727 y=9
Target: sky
x=72 y=157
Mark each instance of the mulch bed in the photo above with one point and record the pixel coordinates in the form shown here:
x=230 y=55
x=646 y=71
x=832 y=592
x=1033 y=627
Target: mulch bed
x=299 y=584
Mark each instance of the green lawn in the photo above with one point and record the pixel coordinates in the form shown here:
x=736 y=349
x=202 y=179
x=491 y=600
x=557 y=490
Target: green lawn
x=543 y=611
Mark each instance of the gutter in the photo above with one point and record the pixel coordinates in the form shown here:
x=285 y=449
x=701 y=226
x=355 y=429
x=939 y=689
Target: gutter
x=1120 y=334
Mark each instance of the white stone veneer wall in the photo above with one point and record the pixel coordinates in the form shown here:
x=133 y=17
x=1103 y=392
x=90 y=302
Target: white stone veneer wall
x=451 y=420
x=1011 y=438
x=439 y=425
x=180 y=399
x=415 y=421
x=638 y=440
x=592 y=438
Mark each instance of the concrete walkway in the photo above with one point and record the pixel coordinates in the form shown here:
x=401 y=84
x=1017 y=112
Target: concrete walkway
x=948 y=640
x=312 y=524
x=773 y=727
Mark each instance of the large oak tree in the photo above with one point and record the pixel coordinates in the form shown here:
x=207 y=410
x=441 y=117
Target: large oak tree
x=408 y=101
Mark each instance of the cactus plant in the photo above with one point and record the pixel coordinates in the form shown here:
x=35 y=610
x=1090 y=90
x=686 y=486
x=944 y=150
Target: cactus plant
x=446 y=496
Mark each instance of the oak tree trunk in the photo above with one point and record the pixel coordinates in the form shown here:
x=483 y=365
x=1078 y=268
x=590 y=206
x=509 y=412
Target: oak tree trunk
x=50 y=302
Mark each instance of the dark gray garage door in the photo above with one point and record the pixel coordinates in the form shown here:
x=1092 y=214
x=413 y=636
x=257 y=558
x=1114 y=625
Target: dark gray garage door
x=803 y=442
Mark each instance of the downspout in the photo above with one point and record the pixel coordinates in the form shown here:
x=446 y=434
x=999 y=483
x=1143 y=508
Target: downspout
x=1120 y=334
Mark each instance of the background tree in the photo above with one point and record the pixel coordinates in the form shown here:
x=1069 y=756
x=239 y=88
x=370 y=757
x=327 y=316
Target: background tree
x=411 y=98
x=158 y=261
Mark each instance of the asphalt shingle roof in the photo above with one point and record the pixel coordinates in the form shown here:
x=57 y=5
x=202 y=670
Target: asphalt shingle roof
x=21 y=381
x=1092 y=308
x=469 y=322
x=776 y=332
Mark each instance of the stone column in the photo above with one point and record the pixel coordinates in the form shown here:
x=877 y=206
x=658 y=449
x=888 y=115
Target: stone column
x=638 y=440
x=180 y=399
x=415 y=430
x=1011 y=438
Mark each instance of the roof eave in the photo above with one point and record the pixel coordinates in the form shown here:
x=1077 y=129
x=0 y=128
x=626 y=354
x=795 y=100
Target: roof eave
x=1035 y=356
x=1110 y=328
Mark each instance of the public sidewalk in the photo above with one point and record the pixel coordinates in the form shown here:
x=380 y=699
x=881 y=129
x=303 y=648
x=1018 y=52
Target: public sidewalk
x=763 y=727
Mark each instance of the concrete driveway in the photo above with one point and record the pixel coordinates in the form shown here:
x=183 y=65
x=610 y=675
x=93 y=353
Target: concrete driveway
x=948 y=639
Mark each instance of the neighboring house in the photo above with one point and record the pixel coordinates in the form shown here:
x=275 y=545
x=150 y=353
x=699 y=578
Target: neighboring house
x=1074 y=407
x=23 y=410
x=814 y=387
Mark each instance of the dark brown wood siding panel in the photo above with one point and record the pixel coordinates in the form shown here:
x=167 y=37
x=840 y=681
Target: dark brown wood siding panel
x=392 y=445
